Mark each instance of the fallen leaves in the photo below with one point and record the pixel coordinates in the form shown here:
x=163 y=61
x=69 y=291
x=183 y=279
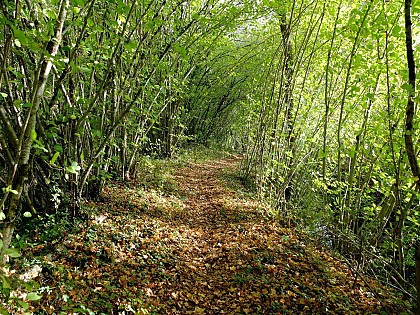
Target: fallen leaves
x=200 y=250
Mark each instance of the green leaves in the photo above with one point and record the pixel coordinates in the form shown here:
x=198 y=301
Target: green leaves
x=32 y=296
x=27 y=214
x=12 y=252
x=396 y=31
x=124 y=84
x=23 y=305
x=416 y=7
x=33 y=135
x=131 y=46
x=20 y=37
x=5 y=282
x=54 y=158
x=74 y=168
x=80 y=3
x=9 y=189
x=181 y=50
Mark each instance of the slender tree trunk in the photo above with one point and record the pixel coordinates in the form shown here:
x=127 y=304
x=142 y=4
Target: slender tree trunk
x=343 y=224
x=327 y=109
x=288 y=101
x=409 y=128
x=27 y=135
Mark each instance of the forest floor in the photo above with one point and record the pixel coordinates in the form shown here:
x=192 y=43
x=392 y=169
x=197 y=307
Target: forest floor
x=199 y=246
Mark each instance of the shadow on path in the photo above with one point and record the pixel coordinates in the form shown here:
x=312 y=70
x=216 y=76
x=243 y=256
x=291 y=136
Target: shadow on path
x=202 y=250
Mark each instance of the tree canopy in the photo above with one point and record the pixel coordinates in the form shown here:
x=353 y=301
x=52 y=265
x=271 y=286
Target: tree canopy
x=319 y=97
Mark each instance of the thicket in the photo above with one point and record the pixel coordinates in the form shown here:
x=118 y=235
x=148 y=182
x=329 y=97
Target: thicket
x=317 y=95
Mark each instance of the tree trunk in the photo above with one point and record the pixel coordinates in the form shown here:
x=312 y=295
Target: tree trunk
x=27 y=134
x=288 y=101
x=409 y=128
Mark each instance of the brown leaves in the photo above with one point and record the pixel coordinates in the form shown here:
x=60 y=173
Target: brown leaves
x=202 y=251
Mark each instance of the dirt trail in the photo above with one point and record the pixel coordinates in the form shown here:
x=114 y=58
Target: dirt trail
x=200 y=249
x=237 y=260
x=220 y=229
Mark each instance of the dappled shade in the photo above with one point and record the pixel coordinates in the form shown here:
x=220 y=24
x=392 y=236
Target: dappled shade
x=202 y=249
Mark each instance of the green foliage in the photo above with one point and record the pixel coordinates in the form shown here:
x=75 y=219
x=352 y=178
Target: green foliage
x=120 y=89
x=312 y=93
x=201 y=153
x=16 y=292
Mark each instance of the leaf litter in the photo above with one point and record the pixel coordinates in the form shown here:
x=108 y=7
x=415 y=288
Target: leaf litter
x=200 y=249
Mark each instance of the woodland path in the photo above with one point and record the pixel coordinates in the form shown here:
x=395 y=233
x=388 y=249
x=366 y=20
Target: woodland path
x=203 y=248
